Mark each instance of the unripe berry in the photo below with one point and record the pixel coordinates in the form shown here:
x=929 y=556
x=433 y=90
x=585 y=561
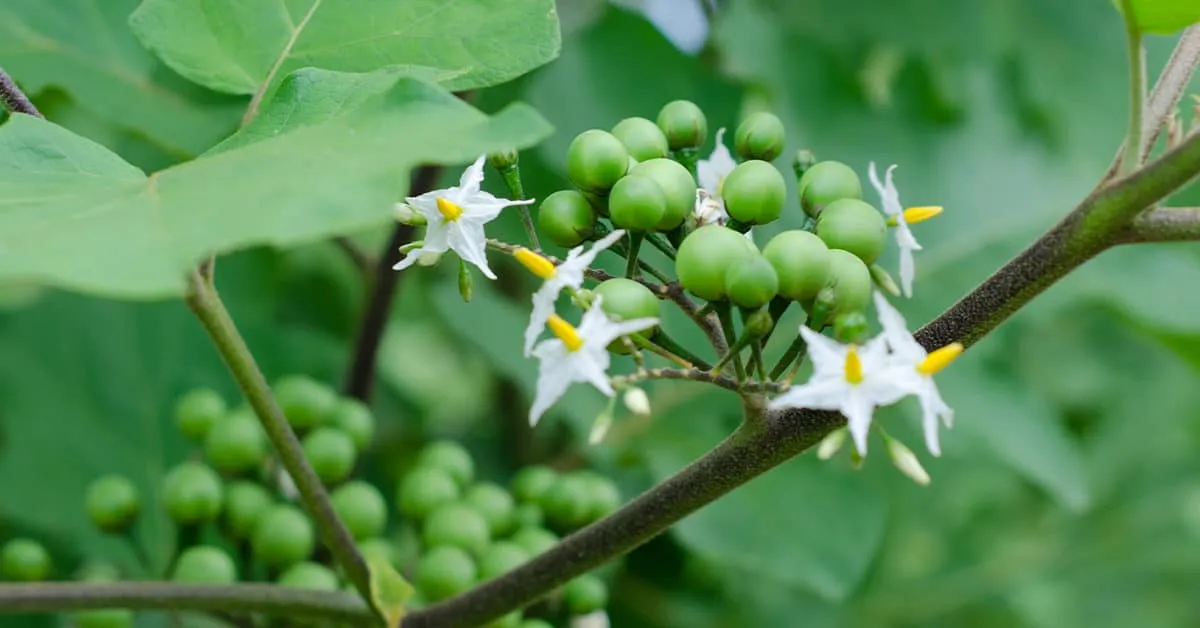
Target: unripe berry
x=458 y=525
x=642 y=138
x=423 y=490
x=450 y=457
x=236 y=443
x=602 y=494
x=192 y=493
x=331 y=452
x=754 y=192
x=801 y=260
x=204 y=564
x=752 y=282
x=566 y=218
x=103 y=618
x=626 y=299
x=851 y=327
x=445 y=572
x=566 y=504
x=535 y=540
x=501 y=558
x=529 y=516
x=826 y=182
x=530 y=483
x=361 y=507
x=310 y=575
x=283 y=537
x=24 y=560
x=760 y=136
x=596 y=160
x=112 y=503
x=684 y=124
x=705 y=257
x=585 y=594
x=637 y=202
x=197 y=411
x=245 y=504
x=678 y=186
x=854 y=226
x=304 y=400
x=495 y=504
x=850 y=280
x=355 y=419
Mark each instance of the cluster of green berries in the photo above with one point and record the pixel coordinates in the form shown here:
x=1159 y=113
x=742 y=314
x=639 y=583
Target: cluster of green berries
x=471 y=531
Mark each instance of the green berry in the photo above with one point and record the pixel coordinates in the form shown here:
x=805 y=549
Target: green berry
x=445 y=572
x=528 y=516
x=331 y=452
x=642 y=138
x=566 y=504
x=854 y=226
x=566 y=218
x=112 y=503
x=678 y=186
x=25 y=560
x=603 y=496
x=535 y=540
x=626 y=299
x=596 y=160
x=192 y=493
x=204 y=564
x=760 y=136
x=530 y=483
x=511 y=620
x=245 y=504
x=236 y=444
x=495 y=504
x=684 y=124
x=361 y=507
x=304 y=400
x=458 y=525
x=801 y=260
x=98 y=571
x=826 y=182
x=310 y=575
x=103 y=618
x=501 y=558
x=425 y=489
x=752 y=282
x=355 y=419
x=637 y=202
x=535 y=623
x=850 y=280
x=380 y=548
x=197 y=411
x=754 y=192
x=705 y=257
x=450 y=457
x=283 y=537
x=585 y=594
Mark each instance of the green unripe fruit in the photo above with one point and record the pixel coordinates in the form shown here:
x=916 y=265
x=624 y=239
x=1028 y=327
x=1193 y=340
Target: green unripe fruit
x=197 y=411
x=535 y=623
x=530 y=483
x=445 y=572
x=500 y=559
x=192 y=493
x=304 y=400
x=245 y=504
x=380 y=548
x=310 y=575
x=331 y=452
x=424 y=490
x=535 y=540
x=705 y=257
x=566 y=218
x=103 y=618
x=112 y=503
x=355 y=419
x=684 y=124
x=854 y=226
x=283 y=537
x=678 y=186
x=25 y=560
x=505 y=159
x=566 y=504
x=458 y=525
x=450 y=457
x=851 y=327
x=603 y=496
x=850 y=280
x=760 y=136
x=236 y=443
x=642 y=138
x=752 y=282
x=596 y=160
x=528 y=516
x=626 y=299
x=637 y=202
x=754 y=192
x=511 y=620
x=585 y=594
x=801 y=260
x=826 y=182
x=495 y=504
x=361 y=507
x=204 y=564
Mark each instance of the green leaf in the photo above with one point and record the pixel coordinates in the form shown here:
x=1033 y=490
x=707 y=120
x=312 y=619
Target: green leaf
x=75 y=215
x=245 y=47
x=389 y=590
x=1163 y=17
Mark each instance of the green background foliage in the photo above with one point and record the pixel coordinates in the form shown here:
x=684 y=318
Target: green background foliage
x=1069 y=490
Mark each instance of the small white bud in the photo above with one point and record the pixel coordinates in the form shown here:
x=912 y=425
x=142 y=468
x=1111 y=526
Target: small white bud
x=427 y=258
x=407 y=215
x=596 y=619
x=832 y=443
x=600 y=427
x=637 y=401
x=906 y=461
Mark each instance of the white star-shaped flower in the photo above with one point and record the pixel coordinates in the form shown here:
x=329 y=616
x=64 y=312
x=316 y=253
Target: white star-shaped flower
x=455 y=218
x=851 y=379
x=578 y=355
x=566 y=276
x=711 y=173
x=890 y=197
x=913 y=368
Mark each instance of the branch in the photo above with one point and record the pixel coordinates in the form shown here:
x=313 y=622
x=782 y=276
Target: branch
x=699 y=375
x=14 y=98
x=1134 y=145
x=267 y=599
x=1163 y=224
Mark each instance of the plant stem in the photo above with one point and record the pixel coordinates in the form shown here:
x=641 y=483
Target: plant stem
x=659 y=241
x=206 y=304
x=725 y=314
x=267 y=599
x=512 y=179
x=650 y=346
x=631 y=256
x=15 y=99
x=1164 y=224
x=1137 y=89
x=662 y=339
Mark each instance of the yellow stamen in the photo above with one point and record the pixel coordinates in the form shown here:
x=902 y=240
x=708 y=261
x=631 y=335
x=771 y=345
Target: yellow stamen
x=913 y=215
x=449 y=209
x=565 y=332
x=940 y=359
x=536 y=264
x=854 y=373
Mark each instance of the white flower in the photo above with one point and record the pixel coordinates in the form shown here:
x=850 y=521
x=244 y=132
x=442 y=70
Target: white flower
x=890 y=197
x=851 y=379
x=566 y=276
x=578 y=355
x=711 y=173
x=455 y=218
x=913 y=368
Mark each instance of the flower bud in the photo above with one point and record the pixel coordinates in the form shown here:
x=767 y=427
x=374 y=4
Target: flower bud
x=600 y=426
x=684 y=124
x=637 y=401
x=464 y=282
x=406 y=215
x=906 y=461
x=759 y=323
x=428 y=258
x=884 y=280
x=504 y=160
x=760 y=136
x=832 y=443
x=803 y=160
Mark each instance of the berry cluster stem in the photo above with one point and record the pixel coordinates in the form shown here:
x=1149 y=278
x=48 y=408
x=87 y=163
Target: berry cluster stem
x=631 y=256
x=1137 y=89
x=725 y=314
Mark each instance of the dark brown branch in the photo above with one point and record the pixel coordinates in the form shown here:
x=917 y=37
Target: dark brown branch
x=14 y=98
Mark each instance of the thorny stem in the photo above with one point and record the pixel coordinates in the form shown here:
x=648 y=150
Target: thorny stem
x=1137 y=89
x=15 y=99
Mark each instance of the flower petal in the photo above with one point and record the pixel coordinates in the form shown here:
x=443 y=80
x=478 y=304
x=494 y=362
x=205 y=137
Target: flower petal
x=467 y=239
x=554 y=377
x=858 y=410
x=471 y=179
x=819 y=393
x=543 y=307
x=710 y=172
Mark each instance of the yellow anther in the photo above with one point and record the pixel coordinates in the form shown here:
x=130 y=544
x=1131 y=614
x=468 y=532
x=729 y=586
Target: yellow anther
x=913 y=215
x=940 y=359
x=565 y=332
x=536 y=264
x=854 y=373
x=449 y=209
